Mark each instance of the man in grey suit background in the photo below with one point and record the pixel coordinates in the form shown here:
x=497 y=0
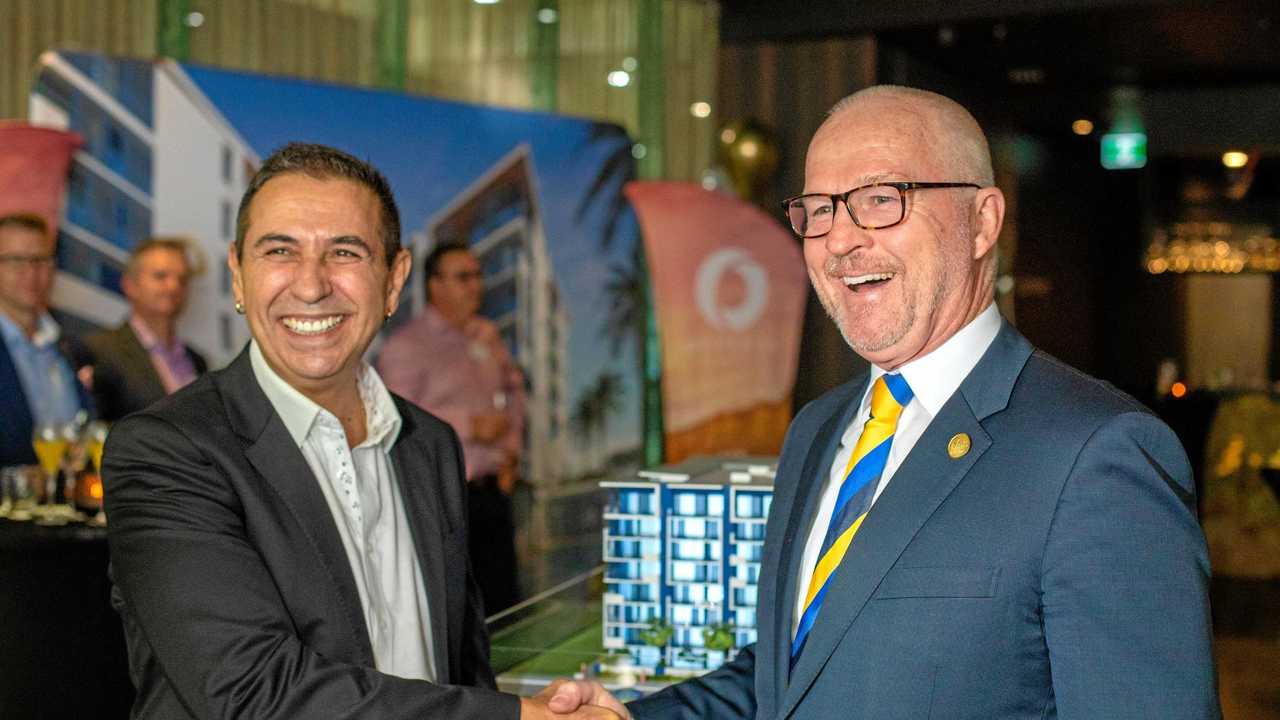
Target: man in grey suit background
x=972 y=529
x=143 y=359
x=289 y=539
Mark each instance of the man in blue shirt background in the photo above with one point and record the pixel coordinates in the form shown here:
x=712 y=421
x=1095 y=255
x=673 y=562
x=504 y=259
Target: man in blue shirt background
x=37 y=381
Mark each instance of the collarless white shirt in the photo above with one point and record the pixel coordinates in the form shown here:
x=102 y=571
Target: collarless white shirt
x=933 y=379
x=359 y=485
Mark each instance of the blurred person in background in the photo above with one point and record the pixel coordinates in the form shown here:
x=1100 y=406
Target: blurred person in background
x=452 y=362
x=37 y=382
x=143 y=359
x=288 y=538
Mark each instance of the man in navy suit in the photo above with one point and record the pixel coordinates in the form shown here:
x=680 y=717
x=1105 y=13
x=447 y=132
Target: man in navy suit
x=37 y=382
x=1026 y=544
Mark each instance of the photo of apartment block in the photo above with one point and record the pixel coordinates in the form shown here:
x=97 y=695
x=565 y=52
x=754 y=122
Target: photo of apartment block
x=158 y=159
x=682 y=551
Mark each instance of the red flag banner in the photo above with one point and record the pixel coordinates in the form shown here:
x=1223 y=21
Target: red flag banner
x=729 y=291
x=33 y=169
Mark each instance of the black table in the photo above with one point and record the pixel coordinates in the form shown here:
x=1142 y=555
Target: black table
x=62 y=651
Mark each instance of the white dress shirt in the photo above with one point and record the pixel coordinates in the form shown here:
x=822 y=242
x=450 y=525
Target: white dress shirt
x=933 y=379
x=359 y=485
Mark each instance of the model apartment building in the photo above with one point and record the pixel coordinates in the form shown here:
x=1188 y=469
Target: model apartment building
x=682 y=548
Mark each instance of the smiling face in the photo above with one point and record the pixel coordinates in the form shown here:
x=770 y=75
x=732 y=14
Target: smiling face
x=157 y=288
x=26 y=273
x=314 y=279
x=897 y=293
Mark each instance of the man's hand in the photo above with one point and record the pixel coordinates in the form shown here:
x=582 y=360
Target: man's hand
x=575 y=699
x=488 y=427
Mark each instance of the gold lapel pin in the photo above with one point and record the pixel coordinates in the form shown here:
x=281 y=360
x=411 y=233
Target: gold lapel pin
x=959 y=446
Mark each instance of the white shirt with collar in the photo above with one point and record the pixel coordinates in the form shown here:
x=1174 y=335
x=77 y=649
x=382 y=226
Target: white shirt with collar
x=359 y=485
x=933 y=379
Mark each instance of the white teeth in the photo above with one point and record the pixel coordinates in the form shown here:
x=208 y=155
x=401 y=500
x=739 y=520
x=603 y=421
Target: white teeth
x=852 y=280
x=312 y=327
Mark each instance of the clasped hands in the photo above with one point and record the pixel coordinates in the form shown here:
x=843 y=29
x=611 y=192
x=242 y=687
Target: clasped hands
x=573 y=700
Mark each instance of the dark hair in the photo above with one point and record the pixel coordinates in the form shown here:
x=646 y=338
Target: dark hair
x=324 y=163
x=25 y=220
x=431 y=264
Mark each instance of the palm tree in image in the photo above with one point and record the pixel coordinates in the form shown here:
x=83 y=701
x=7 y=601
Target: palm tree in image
x=583 y=421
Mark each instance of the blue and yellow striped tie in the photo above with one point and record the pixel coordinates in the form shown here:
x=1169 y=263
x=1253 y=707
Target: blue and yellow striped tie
x=888 y=396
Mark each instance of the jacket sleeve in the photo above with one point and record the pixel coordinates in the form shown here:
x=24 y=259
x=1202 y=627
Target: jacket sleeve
x=204 y=610
x=1125 y=581
x=726 y=693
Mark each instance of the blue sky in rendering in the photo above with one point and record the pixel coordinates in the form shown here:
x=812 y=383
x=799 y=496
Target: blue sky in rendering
x=430 y=150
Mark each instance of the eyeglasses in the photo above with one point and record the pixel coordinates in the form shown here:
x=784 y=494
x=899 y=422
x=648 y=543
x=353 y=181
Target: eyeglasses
x=871 y=207
x=36 y=261
x=462 y=277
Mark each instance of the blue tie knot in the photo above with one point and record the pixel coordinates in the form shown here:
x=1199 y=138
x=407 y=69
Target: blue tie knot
x=899 y=388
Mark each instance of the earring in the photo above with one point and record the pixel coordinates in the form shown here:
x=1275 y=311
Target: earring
x=239 y=308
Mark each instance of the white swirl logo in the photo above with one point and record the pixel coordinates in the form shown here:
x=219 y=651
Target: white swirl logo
x=707 y=285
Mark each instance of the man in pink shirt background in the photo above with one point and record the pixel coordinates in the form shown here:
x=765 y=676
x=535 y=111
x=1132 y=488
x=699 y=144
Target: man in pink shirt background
x=452 y=362
x=143 y=359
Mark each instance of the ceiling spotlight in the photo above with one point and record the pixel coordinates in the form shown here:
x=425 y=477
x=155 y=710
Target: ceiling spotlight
x=1235 y=159
x=629 y=64
x=700 y=109
x=619 y=78
x=548 y=16
x=638 y=151
x=487 y=2
x=1083 y=126
x=195 y=19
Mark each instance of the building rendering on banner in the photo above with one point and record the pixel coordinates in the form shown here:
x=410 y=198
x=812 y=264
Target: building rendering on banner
x=498 y=216
x=682 y=548
x=158 y=159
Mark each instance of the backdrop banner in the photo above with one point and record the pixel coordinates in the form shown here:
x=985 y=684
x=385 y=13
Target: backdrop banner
x=729 y=292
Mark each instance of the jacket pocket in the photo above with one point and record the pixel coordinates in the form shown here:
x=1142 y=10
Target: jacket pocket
x=938 y=582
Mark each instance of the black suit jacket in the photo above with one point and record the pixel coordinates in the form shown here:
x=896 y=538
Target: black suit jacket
x=124 y=380
x=231 y=578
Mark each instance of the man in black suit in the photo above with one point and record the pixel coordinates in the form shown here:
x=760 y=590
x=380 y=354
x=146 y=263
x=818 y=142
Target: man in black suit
x=288 y=539
x=143 y=360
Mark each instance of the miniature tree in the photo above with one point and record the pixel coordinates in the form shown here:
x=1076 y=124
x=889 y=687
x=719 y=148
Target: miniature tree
x=658 y=635
x=719 y=636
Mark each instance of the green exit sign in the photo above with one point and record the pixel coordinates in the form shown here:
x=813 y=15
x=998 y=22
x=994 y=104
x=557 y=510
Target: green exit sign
x=1124 y=151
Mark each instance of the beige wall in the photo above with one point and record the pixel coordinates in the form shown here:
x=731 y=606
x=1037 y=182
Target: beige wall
x=1229 y=327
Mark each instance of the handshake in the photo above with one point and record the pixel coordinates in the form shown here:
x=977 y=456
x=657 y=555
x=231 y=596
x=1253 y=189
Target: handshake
x=573 y=700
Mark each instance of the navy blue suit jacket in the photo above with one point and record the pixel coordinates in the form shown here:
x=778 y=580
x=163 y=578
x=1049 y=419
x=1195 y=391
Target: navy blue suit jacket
x=15 y=412
x=1056 y=570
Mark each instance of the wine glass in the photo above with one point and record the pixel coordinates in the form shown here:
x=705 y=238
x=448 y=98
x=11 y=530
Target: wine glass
x=95 y=437
x=50 y=444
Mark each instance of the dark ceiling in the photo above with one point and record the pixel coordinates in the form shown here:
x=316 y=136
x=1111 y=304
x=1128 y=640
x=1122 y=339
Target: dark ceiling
x=1207 y=73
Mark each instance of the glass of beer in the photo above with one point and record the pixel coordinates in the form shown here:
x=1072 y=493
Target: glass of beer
x=50 y=444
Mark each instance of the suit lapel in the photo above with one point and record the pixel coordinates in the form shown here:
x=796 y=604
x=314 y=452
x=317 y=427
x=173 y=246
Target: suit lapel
x=798 y=501
x=923 y=481
x=137 y=363
x=282 y=466
x=414 y=473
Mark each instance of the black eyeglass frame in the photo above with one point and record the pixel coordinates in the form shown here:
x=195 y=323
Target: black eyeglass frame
x=843 y=198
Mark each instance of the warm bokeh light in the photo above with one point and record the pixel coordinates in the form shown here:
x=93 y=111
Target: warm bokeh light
x=1082 y=126
x=1178 y=389
x=1235 y=158
x=700 y=109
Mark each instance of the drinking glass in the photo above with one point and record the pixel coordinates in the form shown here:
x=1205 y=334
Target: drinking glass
x=50 y=443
